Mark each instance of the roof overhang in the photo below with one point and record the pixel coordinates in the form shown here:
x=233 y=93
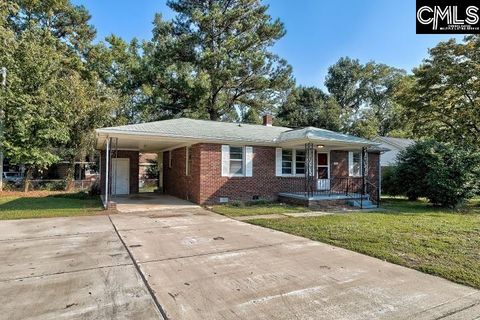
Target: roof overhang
x=150 y=142
x=155 y=142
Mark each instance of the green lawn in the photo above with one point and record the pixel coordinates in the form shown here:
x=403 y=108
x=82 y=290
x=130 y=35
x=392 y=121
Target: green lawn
x=257 y=209
x=60 y=205
x=411 y=234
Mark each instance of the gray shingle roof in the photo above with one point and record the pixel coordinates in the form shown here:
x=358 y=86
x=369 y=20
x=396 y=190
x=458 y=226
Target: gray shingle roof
x=320 y=134
x=227 y=131
x=206 y=129
x=397 y=142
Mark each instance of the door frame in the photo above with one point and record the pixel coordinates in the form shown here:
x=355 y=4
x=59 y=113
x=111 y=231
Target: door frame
x=115 y=173
x=327 y=152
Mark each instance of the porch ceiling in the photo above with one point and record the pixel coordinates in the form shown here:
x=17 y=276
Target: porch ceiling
x=140 y=143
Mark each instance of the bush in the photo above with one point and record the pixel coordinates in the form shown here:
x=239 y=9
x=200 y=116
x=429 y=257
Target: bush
x=53 y=185
x=390 y=185
x=446 y=175
x=236 y=203
x=95 y=189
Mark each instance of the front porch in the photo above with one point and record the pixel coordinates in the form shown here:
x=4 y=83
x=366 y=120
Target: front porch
x=333 y=176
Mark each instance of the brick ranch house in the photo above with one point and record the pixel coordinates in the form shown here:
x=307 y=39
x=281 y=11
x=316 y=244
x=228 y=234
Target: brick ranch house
x=210 y=162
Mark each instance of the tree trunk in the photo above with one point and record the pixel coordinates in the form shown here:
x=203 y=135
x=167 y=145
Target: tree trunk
x=70 y=175
x=213 y=114
x=27 y=178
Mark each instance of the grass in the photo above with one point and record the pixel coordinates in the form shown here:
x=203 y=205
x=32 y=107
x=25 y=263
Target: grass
x=25 y=206
x=412 y=234
x=257 y=209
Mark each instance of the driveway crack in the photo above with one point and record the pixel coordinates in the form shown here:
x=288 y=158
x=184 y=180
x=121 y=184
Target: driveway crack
x=137 y=267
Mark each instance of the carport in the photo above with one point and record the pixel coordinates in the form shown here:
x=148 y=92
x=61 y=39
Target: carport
x=119 y=164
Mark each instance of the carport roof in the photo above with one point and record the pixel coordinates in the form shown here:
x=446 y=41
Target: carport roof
x=194 y=131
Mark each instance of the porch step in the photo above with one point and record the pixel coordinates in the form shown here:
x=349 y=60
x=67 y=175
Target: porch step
x=365 y=204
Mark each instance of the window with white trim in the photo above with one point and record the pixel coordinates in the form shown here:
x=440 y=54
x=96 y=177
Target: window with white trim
x=236 y=161
x=287 y=161
x=299 y=161
x=355 y=163
x=293 y=162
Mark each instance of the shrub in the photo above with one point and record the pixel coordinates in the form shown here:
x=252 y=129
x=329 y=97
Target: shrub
x=95 y=189
x=53 y=185
x=236 y=203
x=390 y=185
x=446 y=175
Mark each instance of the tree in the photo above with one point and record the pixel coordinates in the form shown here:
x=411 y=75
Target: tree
x=442 y=98
x=53 y=101
x=345 y=82
x=118 y=66
x=34 y=123
x=366 y=95
x=444 y=173
x=219 y=59
x=64 y=21
x=310 y=106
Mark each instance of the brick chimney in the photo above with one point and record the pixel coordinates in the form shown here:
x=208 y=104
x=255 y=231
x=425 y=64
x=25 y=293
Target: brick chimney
x=268 y=120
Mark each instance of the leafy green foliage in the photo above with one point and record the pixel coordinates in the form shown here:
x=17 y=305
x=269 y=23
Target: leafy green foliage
x=309 y=106
x=53 y=99
x=443 y=95
x=445 y=174
x=213 y=58
x=390 y=185
x=366 y=95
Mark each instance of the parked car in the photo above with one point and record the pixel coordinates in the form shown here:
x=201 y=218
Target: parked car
x=14 y=178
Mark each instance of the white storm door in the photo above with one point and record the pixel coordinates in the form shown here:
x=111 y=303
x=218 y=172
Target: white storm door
x=323 y=171
x=120 y=176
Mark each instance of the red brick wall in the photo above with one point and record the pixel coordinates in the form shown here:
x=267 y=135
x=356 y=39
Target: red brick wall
x=175 y=180
x=264 y=183
x=339 y=168
x=206 y=185
x=133 y=156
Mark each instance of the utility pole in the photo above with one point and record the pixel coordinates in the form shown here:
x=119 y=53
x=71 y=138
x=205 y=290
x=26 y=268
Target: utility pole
x=4 y=84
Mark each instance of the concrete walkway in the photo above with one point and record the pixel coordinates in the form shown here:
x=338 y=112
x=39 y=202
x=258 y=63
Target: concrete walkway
x=192 y=264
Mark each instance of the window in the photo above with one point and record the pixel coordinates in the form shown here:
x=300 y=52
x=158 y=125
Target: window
x=188 y=158
x=236 y=161
x=287 y=161
x=293 y=162
x=300 y=162
x=355 y=163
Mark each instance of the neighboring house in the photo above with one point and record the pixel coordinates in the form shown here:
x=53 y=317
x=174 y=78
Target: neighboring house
x=213 y=162
x=392 y=146
x=145 y=164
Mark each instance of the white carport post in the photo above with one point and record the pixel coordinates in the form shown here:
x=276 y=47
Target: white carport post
x=107 y=165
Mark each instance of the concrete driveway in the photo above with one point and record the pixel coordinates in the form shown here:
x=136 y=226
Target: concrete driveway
x=69 y=268
x=204 y=266
x=199 y=265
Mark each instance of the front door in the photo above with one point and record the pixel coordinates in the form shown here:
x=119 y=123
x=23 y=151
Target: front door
x=323 y=171
x=120 y=176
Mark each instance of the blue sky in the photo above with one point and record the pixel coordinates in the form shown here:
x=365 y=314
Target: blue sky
x=319 y=32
